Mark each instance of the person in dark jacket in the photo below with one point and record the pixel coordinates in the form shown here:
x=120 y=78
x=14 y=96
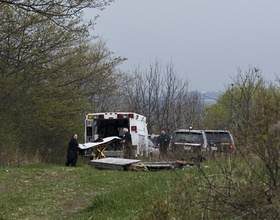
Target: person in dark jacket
x=73 y=148
x=163 y=142
x=127 y=144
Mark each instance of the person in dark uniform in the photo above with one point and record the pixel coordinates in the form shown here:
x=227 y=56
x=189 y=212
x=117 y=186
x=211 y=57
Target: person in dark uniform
x=127 y=144
x=73 y=148
x=163 y=141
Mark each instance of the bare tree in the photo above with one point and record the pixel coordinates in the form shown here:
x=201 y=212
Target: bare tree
x=57 y=9
x=163 y=97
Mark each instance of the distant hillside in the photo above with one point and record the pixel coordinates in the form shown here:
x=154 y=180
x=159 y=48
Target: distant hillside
x=210 y=97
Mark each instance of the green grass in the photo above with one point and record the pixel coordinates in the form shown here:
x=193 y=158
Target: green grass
x=225 y=188
x=44 y=191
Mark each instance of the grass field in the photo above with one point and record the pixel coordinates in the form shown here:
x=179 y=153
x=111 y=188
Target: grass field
x=46 y=191
x=221 y=188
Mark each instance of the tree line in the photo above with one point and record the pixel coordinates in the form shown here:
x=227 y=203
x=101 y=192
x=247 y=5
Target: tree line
x=48 y=70
x=52 y=73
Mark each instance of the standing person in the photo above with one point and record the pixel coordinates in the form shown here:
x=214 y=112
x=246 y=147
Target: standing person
x=73 y=148
x=163 y=141
x=127 y=143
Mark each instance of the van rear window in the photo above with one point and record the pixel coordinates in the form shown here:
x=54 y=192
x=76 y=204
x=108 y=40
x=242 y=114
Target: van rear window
x=221 y=137
x=188 y=137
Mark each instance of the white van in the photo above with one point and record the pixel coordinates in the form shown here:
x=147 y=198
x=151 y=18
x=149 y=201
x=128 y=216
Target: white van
x=108 y=124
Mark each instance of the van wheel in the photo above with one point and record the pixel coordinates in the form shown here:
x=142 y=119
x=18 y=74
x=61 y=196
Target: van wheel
x=209 y=150
x=204 y=154
x=200 y=158
x=207 y=153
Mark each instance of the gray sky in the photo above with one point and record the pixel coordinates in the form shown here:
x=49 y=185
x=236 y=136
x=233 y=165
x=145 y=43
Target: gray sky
x=206 y=40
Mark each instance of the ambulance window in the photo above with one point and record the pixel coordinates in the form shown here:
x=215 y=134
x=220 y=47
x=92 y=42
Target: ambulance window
x=89 y=131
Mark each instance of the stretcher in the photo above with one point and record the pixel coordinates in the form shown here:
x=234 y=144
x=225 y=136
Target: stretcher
x=99 y=147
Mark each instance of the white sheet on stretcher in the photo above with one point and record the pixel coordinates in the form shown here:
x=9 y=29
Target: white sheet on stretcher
x=94 y=144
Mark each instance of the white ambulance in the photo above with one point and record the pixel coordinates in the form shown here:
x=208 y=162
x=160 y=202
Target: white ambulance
x=108 y=124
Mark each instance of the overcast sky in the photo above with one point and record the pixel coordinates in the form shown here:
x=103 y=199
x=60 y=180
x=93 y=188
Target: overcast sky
x=206 y=40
